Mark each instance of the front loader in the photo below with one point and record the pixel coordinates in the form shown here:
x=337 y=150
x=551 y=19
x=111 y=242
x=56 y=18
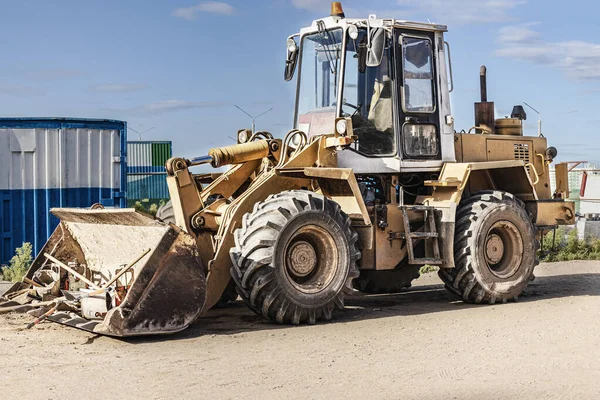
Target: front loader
x=371 y=184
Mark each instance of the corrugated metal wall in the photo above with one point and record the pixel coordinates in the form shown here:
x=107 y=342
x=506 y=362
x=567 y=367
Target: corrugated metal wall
x=146 y=174
x=55 y=162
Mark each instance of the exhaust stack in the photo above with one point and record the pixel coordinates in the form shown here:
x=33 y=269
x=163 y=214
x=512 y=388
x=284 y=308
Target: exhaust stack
x=485 y=120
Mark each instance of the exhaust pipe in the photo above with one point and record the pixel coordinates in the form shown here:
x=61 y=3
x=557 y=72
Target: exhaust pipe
x=485 y=120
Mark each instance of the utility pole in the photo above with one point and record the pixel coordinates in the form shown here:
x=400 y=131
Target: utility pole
x=141 y=133
x=253 y=117
x=539 y=119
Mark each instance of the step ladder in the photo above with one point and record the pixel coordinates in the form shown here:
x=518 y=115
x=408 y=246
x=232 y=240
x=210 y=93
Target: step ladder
x=429 y=232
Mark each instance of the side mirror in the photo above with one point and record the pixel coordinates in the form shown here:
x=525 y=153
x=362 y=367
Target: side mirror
x=377 y=47
x=291 y=59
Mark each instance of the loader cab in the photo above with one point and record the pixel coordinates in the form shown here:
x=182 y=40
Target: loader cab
x=399 y=106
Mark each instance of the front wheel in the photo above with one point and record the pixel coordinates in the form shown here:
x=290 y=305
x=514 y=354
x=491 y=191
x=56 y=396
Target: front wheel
x=295 y=257
x=495 y=249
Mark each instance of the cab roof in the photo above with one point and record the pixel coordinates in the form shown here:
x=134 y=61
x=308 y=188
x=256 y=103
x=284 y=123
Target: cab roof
x=332 y=22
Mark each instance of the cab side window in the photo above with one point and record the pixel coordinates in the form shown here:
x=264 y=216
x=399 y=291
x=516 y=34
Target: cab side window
x=417 y=64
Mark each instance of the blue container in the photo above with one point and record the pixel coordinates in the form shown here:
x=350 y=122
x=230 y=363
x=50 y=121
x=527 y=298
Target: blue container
x=56 y=162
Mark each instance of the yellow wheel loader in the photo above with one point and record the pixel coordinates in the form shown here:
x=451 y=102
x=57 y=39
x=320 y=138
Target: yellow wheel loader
x=371 y=184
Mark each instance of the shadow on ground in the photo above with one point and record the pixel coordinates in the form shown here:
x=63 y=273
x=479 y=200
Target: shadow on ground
x=237 y=318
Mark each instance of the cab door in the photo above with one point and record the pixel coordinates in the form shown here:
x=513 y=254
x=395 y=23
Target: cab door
x=418 y=119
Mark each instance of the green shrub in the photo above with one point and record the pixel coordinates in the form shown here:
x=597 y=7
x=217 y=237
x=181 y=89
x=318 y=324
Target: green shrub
x=569 y=247
x=148 y=208
x=19 y=264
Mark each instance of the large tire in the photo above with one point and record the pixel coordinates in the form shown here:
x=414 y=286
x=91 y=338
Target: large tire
x=295 y=257
x=166 y=213
x=495 y=249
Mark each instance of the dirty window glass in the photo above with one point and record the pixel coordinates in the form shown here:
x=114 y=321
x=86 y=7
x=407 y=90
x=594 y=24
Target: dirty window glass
x=367 y=98
x=418 y=75
x=321 y=54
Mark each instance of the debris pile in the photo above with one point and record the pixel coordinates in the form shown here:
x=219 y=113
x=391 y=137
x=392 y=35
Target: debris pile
x=69 y=288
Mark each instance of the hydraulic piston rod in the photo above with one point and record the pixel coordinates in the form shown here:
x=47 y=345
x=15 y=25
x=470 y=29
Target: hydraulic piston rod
x=235 y=154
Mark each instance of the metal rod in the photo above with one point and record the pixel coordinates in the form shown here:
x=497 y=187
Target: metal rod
x=483 y=83
x=127 y=268
x=201 y=160
x=539 y=118
x=66 y=268
x=31 y=282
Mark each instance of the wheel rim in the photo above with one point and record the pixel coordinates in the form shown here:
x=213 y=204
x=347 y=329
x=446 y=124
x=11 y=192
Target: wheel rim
x=503 y=249
x=311 y=259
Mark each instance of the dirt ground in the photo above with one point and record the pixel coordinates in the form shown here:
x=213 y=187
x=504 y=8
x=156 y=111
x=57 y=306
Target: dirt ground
x=418 y=344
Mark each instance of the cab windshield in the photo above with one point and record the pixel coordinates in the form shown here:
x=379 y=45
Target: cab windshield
x=319 y=74
x=368 y=99
x=366 y=95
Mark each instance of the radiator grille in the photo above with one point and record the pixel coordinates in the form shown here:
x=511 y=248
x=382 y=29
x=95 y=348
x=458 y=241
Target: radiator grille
x=521 y=151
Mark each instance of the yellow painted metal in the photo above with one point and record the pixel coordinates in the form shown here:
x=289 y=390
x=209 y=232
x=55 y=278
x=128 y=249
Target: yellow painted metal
x=239 y=153
x=485 y=148
x=562 y=180
x=552 y=212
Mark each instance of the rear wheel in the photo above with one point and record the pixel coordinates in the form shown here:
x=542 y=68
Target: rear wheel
x=495 y=249
x=166 y=213
x=295 y=257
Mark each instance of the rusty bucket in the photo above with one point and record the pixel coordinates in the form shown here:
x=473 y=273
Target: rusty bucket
x=163 y=292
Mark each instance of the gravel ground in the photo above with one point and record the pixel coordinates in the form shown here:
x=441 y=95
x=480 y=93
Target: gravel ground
x=420 y=344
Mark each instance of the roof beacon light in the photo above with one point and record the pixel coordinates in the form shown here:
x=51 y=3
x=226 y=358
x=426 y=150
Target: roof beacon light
x=336 y=9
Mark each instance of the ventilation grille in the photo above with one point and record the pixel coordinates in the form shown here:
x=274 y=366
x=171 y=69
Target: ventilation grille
x=521 y=151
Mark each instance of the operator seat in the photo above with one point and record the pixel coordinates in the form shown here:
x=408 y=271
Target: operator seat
x=380 y=113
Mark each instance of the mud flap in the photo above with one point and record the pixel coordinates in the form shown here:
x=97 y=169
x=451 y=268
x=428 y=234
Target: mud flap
x=167 y=287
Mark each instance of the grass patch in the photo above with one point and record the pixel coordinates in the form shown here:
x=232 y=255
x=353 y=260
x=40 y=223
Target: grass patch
x=427 y=269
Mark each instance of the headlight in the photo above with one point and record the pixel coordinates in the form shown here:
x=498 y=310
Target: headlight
x=341 y=126
x=420 y=140
x=296 y=139
x=243 y=136
x=353 y=32
x=291 y=45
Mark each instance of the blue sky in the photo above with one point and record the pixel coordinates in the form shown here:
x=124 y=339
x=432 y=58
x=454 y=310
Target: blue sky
x=181 y=65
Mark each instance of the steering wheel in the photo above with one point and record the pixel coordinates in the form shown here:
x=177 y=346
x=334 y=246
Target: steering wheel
x=355 y=108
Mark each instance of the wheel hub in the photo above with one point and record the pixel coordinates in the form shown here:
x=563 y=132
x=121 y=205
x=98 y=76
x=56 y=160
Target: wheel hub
x=301 y=259
x=494 y=249
x=503 y=249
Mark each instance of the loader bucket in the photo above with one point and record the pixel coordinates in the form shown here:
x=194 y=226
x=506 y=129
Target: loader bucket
x=163 y=292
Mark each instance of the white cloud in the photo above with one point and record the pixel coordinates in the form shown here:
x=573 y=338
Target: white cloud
x=213 y=7
x=577 y=59
x=462 y=11
x=163 y=107
x=440 y=11
x=319 y=6
x=118 y=87
x=20 y=90
x=519 y=33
